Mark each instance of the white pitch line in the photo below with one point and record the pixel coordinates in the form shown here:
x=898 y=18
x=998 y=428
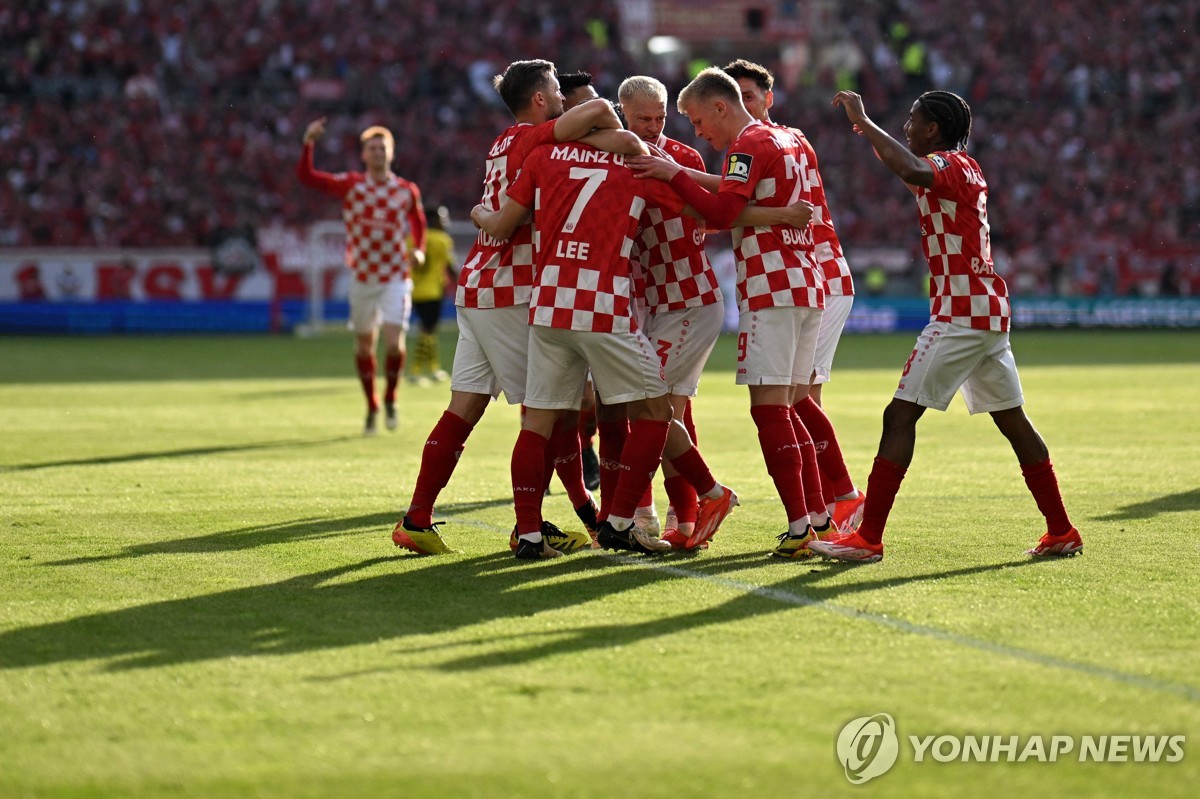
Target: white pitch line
x=1188 y=692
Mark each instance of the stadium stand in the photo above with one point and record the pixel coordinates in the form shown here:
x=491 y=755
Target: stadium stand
x=135 y=124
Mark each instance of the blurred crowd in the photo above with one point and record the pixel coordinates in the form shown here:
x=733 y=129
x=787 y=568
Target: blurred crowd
x=136 y=124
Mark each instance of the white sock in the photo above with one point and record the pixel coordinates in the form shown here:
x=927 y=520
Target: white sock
x=818 y=519
x=620 y=522
x=715 y=492
x=798 y=527
x=852 y=495
x=534 y=538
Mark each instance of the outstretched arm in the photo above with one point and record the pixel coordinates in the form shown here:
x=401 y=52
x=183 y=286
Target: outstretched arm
x=654 y=166
x=910 y=168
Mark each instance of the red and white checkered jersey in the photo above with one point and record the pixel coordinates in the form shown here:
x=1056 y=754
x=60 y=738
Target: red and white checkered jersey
x=379 y=215
x=828 y=248
x=965 y=289
x=586 y=204
x=775 y=265
x=671 y=250
x=499 y=274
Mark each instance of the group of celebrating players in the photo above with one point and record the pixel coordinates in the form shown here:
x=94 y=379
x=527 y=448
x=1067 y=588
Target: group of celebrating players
x=589 y=274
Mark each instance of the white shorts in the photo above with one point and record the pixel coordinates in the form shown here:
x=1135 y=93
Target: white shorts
x=493 y=352
x=372 y=303
x=624 y=367
x=833 y=322
x=683 y=340
x=948 y=357
x=776 y=346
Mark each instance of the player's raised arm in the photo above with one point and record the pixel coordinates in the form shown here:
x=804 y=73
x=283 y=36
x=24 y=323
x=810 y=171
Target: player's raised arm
x=909 y=167
x=308 y=174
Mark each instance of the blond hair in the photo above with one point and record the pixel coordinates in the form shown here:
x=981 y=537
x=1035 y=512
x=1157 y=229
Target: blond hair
x=382 y=132
x=712 y=83
x=642 y=86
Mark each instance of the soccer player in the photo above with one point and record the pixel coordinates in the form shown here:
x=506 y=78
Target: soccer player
x=576 y=88
x=429 y=290
x=494 y=287
x=381 y=211
x=683 y=306
x=757 y=83
x=587 y=205
x=779 y=285
x=965 y=345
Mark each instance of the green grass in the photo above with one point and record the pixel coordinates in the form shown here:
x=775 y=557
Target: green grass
x=200 y=597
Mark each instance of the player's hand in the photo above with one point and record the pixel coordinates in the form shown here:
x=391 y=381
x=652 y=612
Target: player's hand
x=800 y=213
x=315 y=130
x=416 y=260
x=659 y=152
x=852 y=104
x=650 y=166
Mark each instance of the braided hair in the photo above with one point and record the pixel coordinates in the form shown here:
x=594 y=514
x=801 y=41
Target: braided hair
x=952 y=115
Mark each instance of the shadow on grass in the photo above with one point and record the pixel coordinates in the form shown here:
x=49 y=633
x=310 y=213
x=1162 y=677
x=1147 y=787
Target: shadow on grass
x=250 y=538
x=134 y=457
x=341 y=607
x=1183 y=502
x=306 y=529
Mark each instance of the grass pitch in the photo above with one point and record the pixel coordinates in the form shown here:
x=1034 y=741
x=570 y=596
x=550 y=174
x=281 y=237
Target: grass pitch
x=200 y=596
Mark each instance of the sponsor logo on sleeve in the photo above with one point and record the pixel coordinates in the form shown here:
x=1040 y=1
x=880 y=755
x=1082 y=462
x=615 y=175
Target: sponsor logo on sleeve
x=739 y=167
x=939 y=162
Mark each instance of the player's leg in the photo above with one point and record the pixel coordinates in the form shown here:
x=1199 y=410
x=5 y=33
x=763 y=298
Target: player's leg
x=995 y=388
x=365 y=317
x=554 y=385
x=840 y=493
x=768 y=348
x=421 y=364
x=684 y=340
x=941 y=362
x=612 y=423
x=587 y=435
x=476 y=382
x=626 y=370
x=395 y=311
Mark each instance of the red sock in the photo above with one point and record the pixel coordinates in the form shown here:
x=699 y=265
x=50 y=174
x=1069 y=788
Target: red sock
x=394 y=366
x=612 y=441
x=692 y=467
x=528 y=483
x=587 y=426
x=682 y=497
x=639 y=460
x=569 y=465
x=829 y=453
x=781 y=451
x=548 y=457
x=688 y=422
x=442 y=451
x=647 y=500
x=366 y=375
x=810 y=473
x=882 y=486
x=1044 y=487
x=828 y=495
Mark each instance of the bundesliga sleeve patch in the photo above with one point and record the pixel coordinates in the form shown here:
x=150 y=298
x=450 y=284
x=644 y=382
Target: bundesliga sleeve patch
x=739 y=167
x=939 y=162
